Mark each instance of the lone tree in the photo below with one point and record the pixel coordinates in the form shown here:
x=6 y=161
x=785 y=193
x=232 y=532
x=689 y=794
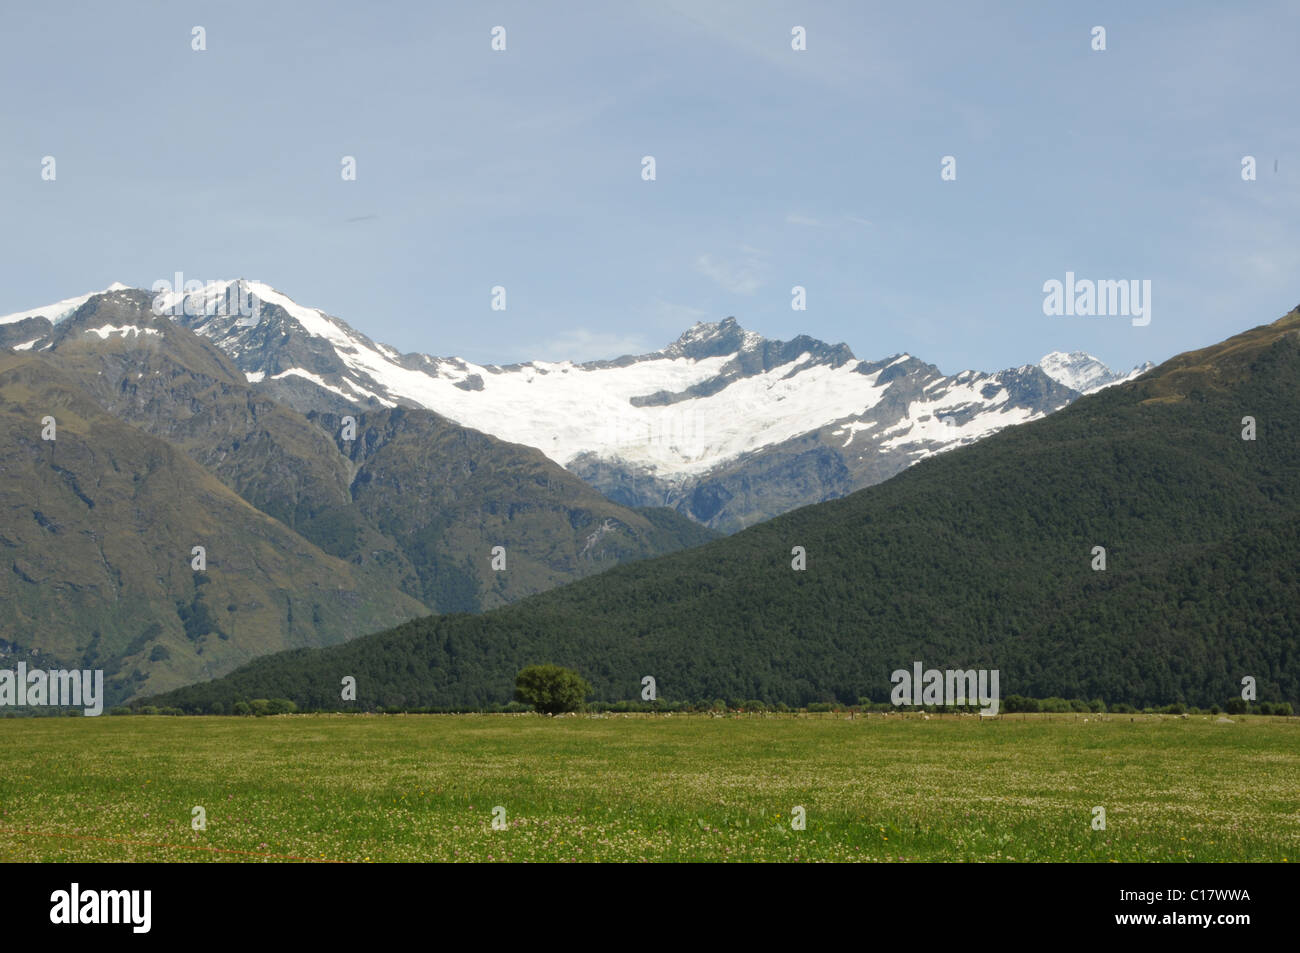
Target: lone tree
x=550 y=688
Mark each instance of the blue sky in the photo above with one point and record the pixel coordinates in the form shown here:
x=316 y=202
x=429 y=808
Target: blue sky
x=775 y=168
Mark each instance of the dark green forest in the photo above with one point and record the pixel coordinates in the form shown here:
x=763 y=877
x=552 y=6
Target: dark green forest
x=977 y=558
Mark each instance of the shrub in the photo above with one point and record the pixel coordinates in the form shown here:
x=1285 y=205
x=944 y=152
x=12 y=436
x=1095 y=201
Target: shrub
x=242 y=707
x=551 y=689
x=1018 y=703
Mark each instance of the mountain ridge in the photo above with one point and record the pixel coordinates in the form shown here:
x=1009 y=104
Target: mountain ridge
x=722 y=424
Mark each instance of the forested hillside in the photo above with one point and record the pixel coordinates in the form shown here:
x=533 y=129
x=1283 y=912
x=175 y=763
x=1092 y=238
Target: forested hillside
x=982 y=557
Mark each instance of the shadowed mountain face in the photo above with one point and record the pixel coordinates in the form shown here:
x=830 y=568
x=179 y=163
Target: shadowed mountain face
x=986 y=557
x=723 y=425
x=162 y=445
x=98 y=536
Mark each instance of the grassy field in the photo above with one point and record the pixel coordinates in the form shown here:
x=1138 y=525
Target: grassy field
x=623 y=788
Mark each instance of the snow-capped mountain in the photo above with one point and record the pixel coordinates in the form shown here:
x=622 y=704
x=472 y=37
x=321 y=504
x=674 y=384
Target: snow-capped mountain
x=723 y=424
x=1080 y=371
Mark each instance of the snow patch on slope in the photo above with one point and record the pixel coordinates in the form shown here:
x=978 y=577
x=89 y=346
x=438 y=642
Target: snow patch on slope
x=129 y=330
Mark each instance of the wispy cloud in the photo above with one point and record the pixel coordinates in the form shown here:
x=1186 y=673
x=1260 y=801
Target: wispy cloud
x=743 y=276
x=584 y=344
x=844 y=53
x=567 y=117
x=795 y=218
x=675 y=317
x=811 y=221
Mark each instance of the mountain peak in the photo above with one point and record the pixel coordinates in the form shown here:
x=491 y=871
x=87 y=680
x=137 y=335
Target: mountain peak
x=709 y=330
x=1066 y=356
x=714 y=339
x=1080 y=371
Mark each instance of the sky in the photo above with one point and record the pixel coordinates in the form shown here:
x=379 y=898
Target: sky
x=774 y=168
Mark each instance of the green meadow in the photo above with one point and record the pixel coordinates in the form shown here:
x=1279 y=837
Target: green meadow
x=382 y=788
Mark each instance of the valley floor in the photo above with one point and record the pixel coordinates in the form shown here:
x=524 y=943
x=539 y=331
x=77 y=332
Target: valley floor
x=658 y=788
